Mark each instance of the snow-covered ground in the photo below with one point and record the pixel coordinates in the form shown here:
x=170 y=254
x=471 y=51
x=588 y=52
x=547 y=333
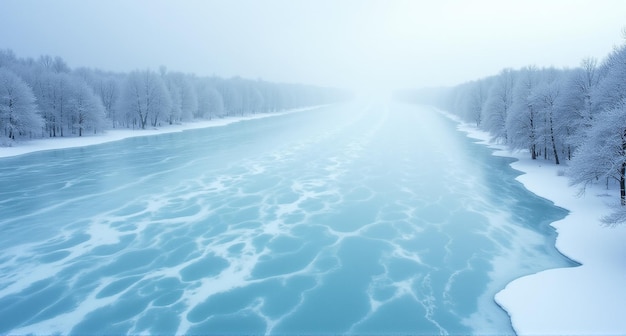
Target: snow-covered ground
x=30 y=146
x=586 y=300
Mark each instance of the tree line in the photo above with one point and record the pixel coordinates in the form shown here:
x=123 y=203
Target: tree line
x=573 y=116
x=44 y=97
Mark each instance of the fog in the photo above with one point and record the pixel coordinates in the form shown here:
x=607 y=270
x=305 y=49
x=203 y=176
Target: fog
x=369 y=45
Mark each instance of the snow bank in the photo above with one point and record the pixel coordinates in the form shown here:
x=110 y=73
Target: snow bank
x=585 y=300
x=119 y=134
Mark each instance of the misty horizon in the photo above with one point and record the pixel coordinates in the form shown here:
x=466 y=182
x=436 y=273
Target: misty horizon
x=357 y=45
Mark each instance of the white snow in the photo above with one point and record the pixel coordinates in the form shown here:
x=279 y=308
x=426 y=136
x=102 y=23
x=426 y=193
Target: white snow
x=585 y=300
x=30 y=146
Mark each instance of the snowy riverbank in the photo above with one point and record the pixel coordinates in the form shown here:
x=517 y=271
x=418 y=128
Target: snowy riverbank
x=585 y=300
x=30 y=146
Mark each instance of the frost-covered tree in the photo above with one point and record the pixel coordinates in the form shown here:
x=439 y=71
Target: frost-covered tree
x=611 y=88
x=106 y=86
x=231 y=96
x=54 y=64
x=545 y=101
x=603 y=155
x=68 y=105
x=175 y=112
x=476 y=98
x=18 y=112
x=183 y=96
x=188 y=97
x=252 y=98
x=271 y=95
x=522 y=118
x=144 y=98
x=64 y=98
x=7 y=58
x=210 y=103
x=575 y=108
x=85 y=110
x=498 y=104
x=467 y=101
x=286 y=97
x=53 y=92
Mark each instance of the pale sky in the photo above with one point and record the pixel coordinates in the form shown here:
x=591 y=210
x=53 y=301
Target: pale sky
x=362 y=44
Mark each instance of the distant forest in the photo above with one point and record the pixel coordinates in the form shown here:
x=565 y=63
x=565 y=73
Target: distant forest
x=44 y=97
x=574 y=116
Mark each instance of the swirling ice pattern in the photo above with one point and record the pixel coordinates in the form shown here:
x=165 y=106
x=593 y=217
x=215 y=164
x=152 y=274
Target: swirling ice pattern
x=363 y=226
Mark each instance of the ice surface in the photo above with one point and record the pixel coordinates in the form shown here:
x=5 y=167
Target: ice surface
x=347 y=219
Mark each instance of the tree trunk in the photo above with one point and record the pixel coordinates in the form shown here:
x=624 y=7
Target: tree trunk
x=569 y=152
x=144 y=120
x=622 y=172
x=556 y=154
x=622 y=184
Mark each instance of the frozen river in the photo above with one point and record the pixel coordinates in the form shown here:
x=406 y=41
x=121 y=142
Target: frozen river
x=356 y=218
